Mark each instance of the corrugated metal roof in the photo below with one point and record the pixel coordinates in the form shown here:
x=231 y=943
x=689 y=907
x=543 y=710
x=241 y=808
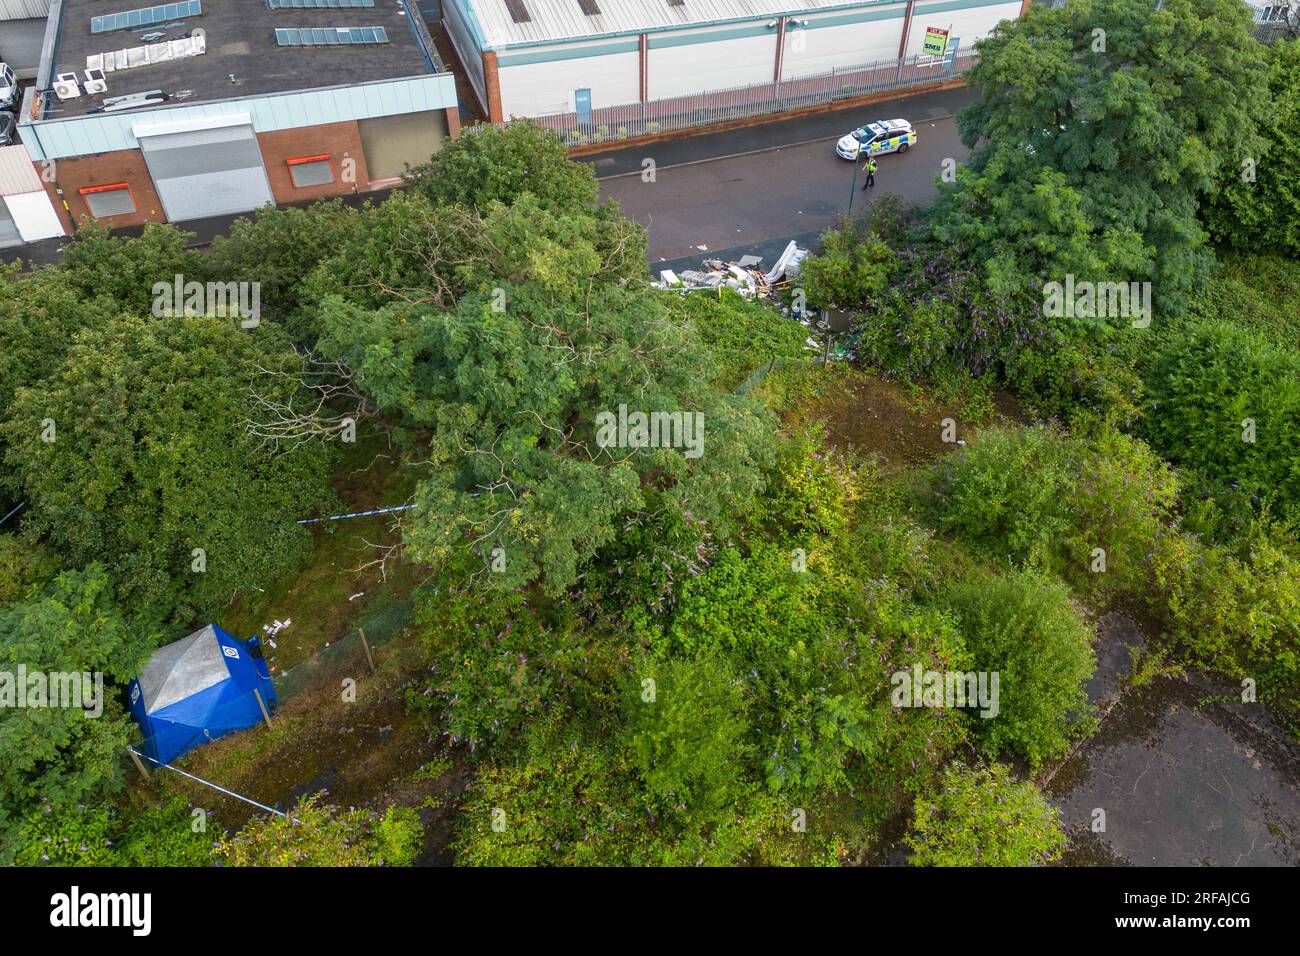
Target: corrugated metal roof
x=17 y=174
x=24 y=9
x=564 y=19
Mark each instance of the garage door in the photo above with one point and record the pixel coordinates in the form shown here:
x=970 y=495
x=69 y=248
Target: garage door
x=205 y=172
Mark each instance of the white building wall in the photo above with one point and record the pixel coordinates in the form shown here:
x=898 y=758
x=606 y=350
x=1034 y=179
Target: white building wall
x=968 y=25
x=548 y=86
x=821 y=49
x=34 y=215
x=697 y=67
x=471 y=58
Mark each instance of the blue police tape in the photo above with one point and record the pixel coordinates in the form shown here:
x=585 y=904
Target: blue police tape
x=358 y=514
x=15 y=511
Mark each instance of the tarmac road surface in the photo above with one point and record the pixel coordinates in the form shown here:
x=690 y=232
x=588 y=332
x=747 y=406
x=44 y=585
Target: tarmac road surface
x=782 y=192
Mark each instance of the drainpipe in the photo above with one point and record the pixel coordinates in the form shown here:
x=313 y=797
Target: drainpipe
x=645 y=67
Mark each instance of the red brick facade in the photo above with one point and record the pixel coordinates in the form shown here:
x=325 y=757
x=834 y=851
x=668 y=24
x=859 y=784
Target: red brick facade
x=341 y=141
x=103 y=169
x=492 y=86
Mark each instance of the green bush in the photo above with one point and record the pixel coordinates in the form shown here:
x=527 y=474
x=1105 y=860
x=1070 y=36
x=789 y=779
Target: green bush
x=689 y=732
x=162 y=835
x=1226 y=402
x=398 y=837
x=741 y=334
x=810 y=493
x=323 y=835
x=1024 y=627
x=1237 y=611
x=1036 y=496
x=984 y=817
x=851 y=268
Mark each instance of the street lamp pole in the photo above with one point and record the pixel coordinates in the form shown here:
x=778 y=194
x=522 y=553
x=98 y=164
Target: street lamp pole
x=853 y=190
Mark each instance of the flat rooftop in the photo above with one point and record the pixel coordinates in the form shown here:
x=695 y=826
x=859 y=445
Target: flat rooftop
x=240 y=39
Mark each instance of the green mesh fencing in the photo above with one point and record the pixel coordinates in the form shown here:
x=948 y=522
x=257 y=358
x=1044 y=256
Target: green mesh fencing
x=347 y=657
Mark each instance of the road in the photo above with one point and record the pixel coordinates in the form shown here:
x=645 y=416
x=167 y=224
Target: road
x=755 y=189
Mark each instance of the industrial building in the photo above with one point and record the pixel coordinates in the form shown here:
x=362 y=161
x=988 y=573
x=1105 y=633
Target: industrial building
x=542 y=57
x=202 y=108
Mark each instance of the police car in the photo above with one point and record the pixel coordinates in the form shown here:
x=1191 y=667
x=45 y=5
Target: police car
x=874 y=139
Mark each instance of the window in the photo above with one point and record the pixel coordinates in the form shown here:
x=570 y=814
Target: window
x=114 y=200
x=518 y=12
x=311 y=171
x=146 y=16
x=589 y=7
x=330 y=36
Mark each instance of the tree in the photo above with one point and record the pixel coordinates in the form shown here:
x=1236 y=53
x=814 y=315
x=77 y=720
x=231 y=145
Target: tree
x=279 y=248
x=984 y=817
x=39 y=317
x=512 y=353
x=136 y=454
x=1258 y=207
x=117 y=274
x=488 y=164
x=59 y=755
x=1100 y=124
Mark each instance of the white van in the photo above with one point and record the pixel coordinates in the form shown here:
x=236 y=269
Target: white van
x=8 y=89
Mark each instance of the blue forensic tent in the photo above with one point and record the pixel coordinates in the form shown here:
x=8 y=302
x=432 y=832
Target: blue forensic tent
x=198 y=689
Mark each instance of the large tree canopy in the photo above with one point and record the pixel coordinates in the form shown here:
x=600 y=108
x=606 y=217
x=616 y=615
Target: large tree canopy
x=1100 y=125
x=507 y=340
x=135 y=453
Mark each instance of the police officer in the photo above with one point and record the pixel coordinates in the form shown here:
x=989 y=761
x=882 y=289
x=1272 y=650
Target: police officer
x=869 y=167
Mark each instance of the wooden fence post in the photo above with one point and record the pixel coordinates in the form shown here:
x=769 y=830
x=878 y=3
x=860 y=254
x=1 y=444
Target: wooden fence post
x=261 y=703
x=366 y=645
x=139 y=764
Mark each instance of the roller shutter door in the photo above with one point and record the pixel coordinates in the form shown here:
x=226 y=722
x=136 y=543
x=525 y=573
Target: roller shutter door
x=207 y=172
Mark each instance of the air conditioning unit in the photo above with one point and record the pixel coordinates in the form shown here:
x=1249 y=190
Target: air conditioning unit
x=65 y=86
x=95 y=82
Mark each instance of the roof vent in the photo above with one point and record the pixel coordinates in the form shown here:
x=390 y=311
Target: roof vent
x=95 y=82
x=65 y=86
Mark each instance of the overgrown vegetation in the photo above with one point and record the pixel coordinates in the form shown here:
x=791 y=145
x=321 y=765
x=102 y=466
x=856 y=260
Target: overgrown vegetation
x=681 y=642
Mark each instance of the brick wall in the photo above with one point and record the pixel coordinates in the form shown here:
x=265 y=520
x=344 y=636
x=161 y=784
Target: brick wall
x=339 y=140
x=103 y=169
